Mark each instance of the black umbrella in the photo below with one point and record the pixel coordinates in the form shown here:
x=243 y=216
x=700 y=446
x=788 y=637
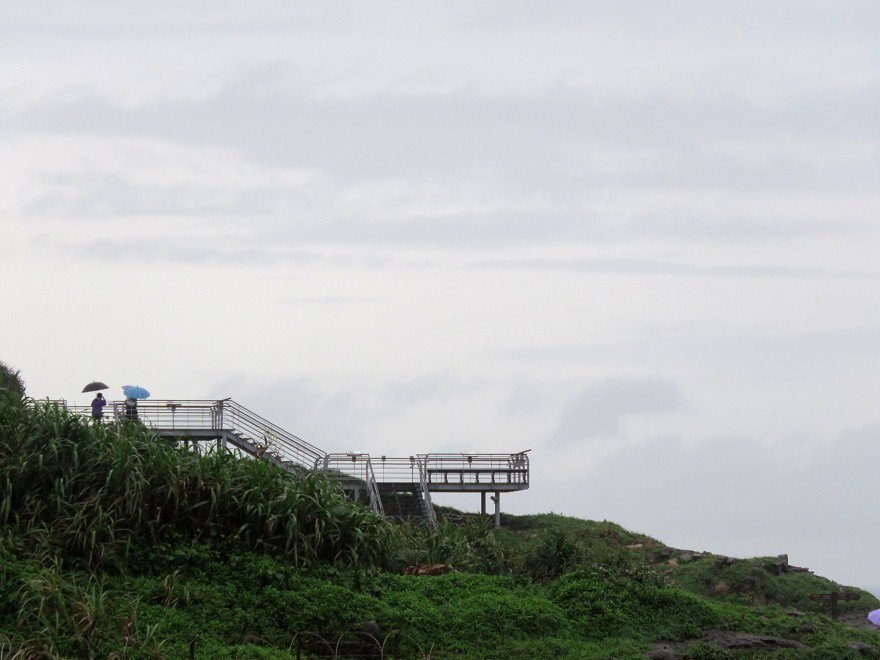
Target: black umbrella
x=95 y=386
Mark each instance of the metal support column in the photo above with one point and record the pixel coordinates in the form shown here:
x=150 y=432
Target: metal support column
x=497 y=500
x=483 y=503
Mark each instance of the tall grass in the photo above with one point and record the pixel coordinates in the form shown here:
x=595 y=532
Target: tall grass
x=11 y=382
x=90 y=494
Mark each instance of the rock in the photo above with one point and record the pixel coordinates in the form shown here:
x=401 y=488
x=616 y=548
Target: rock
x=737 y=640
x=432 y=569
x=662 y=652
x=863 y=649
x=672 y=562
x=723 y=562
x=662 y=555
x=721 y=588
x=635 y=546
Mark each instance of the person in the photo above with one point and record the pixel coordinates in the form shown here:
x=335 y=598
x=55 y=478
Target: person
x=98 y=404
x=131 y=409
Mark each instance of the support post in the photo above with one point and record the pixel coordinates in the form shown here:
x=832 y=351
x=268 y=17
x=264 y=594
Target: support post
x=483 y=503
x=497 y=500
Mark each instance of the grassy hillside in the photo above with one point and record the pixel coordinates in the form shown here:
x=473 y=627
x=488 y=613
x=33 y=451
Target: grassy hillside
x=125 y=545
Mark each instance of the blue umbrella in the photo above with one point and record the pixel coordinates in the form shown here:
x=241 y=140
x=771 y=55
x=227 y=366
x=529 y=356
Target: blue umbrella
x=135 y=392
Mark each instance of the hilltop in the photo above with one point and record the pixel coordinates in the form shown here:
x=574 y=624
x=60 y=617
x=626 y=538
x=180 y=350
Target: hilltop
x=122 y=544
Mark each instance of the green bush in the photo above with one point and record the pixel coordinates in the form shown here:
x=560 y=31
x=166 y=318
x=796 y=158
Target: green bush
x=91 y=493
x=748 y=579
x=469 y=546
x=11 y=383
x=608 y=603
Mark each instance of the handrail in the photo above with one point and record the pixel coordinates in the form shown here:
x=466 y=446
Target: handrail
x=513 y=469
x=222 y=415
x=354 y=471
x=373 y=487
x=391 y=469
x=426 y=494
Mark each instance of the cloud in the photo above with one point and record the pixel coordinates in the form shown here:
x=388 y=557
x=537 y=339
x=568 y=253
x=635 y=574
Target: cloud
x=656 y=267
x=600 y=409
x=566 y=168
x=329 y=420
x=424 y=388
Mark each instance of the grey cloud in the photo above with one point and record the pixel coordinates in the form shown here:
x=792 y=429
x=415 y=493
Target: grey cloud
x=111 y=194
x=329 y=300
x=600 y=409
x=393 y=136
x=852 y=351
x=428 y=387
x=193 y=250
x=330 y=421
x=343 y=418
x=451 y=141
x=528 y=397
x=655 y=267
x=804 y=17
x=415 y=389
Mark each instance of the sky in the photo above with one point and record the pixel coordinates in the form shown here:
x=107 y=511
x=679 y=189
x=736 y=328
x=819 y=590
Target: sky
x=639 y=239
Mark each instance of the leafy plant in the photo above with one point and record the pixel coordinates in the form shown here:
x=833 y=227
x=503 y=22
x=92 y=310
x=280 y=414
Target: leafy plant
x=92 y=493
x=11 y=382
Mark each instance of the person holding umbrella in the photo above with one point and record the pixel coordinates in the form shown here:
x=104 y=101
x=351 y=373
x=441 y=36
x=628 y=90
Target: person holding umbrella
x=131 y=408
x=98 y=404
x=132 y=394
x=99 y=401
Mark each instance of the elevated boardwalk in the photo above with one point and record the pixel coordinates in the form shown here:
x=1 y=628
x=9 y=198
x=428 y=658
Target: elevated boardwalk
x=400 y=487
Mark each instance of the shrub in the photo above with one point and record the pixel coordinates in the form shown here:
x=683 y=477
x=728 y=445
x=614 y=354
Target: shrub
x=92 y=493
x=610 y=603
x=11 y=383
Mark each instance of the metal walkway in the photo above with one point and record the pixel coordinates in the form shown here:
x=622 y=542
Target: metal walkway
x=399 y=487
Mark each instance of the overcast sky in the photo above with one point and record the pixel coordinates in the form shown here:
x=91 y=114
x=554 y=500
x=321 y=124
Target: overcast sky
x=640 y=239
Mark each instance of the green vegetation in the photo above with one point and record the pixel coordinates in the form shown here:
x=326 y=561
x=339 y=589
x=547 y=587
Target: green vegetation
x=11 y=383
x=121 y=544
x=89 y=494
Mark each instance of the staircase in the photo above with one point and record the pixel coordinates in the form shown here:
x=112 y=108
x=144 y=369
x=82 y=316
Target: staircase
x=404 y=505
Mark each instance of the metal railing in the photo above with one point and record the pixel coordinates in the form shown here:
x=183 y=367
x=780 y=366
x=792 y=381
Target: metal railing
x=478 y=469
x=208 y=415
x=353 y=471
x=430 y=514
x=396 y=470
